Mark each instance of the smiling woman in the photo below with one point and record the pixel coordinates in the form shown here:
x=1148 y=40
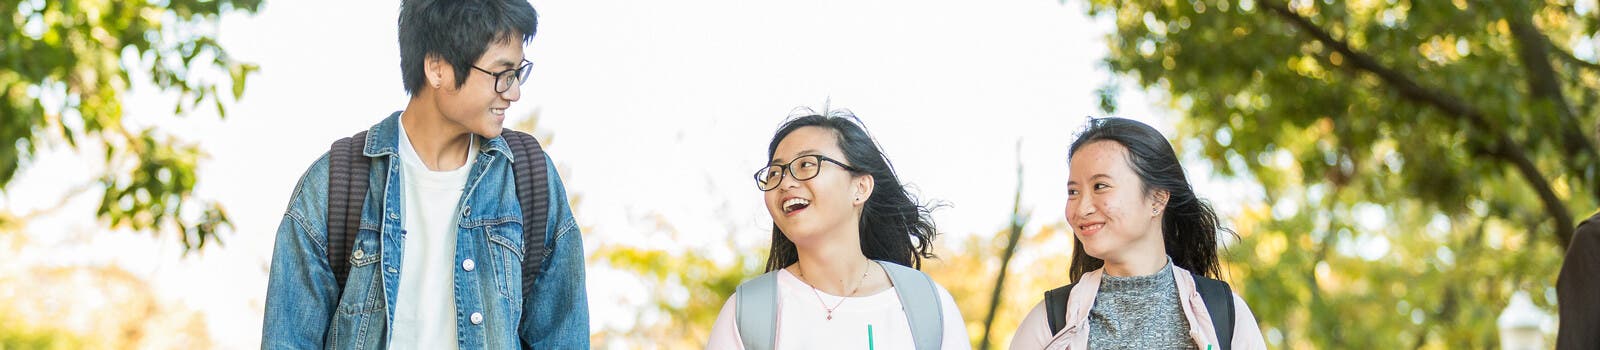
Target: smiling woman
x=1152 y=246
x=847 y=239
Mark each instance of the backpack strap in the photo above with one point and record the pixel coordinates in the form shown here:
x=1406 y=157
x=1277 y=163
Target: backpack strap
x=529 y=168
x=755 y=311
x=919 y=297
x=1219 y=303
x=1055 y=307
x=348 y=169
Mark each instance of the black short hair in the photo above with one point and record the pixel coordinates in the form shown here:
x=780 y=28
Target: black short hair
x=458 y=31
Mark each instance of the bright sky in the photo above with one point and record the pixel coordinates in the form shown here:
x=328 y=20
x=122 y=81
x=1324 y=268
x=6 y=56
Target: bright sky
x=658 y=110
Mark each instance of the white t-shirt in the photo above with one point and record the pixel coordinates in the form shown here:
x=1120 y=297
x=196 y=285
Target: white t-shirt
x=425 y=308
x=803 y=323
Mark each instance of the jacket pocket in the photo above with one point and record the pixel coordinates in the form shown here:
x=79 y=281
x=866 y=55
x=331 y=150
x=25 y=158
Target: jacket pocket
x=358 y=321
x=363 y=285
x=506 y=250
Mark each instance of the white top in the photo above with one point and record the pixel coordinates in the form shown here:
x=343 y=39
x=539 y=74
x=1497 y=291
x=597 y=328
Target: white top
x=803 y=323
x=425 y=309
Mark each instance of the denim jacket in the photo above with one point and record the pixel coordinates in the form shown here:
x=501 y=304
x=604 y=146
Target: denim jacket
x=303 y=311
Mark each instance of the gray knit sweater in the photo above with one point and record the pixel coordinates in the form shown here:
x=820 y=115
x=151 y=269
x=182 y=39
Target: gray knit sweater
x=1139 y=312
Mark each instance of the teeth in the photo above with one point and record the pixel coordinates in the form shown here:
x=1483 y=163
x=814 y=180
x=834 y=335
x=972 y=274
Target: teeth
x=1090 y=227
x=792 y=203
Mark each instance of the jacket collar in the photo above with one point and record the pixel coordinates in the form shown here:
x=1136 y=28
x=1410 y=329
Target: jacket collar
x=383 y=139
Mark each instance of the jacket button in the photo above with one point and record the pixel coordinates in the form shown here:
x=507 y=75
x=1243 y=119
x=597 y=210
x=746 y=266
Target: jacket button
x=393 y=216
x=358 y=254
x=466 y=211
x=468 y=265
x=477 y=318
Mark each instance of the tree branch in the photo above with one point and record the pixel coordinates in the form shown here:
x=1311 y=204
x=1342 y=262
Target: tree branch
x=1501 y=146
x=1534 y=50
x=1005 y=257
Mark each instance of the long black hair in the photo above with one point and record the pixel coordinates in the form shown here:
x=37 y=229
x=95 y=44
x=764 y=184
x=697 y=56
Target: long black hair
x=894 y=227
x=1190 y=226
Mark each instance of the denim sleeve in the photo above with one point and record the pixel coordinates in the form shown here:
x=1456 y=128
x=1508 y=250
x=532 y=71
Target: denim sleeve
x=556 y=314
x=300 y=293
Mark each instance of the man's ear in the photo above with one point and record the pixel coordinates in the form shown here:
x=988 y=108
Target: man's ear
x=863 y=188
x=438 y=72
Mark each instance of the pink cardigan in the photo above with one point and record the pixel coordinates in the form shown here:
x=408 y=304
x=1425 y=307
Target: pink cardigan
x=1034 y=333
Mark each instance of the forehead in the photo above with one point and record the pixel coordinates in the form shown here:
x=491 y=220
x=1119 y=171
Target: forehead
x=1100 y=157
x=502 y=53
x=808 y=138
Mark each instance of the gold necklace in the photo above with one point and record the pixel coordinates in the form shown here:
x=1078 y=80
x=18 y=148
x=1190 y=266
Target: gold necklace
x=819 y=294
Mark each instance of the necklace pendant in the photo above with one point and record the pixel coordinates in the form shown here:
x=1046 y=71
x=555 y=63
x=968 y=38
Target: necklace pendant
x=830 y=316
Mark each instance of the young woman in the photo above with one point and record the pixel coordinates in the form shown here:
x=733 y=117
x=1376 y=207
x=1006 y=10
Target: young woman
x=846 y=240
x=1145 y=249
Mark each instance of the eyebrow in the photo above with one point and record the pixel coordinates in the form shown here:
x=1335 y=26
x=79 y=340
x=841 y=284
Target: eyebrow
x=1092 y=177
x=802 y=153
x=507 y=63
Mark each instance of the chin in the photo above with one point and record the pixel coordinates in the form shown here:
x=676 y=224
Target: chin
x=1094 y=250
x=797 y=235
x=490 y=133
x=488 y=129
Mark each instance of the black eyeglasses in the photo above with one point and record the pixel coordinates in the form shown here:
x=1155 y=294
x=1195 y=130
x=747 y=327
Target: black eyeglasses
x=802 y=168
x=506 y=78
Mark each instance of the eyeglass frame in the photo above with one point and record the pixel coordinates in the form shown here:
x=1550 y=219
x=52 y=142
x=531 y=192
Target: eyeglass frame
x=525 y=68
x=788 y=169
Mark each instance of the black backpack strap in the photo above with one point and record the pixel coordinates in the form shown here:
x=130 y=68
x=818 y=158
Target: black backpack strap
x=533 y=182
x=348 y=169
x=1219 y=303
x=1055 y=307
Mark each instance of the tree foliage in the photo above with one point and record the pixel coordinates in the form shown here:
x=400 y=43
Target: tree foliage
x=1420 y=160
x=64 y=72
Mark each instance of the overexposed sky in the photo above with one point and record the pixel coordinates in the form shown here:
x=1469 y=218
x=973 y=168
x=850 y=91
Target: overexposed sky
x=659 y=110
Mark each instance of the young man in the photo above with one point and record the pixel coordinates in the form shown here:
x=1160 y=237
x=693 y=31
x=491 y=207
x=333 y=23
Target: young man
x=434 y=255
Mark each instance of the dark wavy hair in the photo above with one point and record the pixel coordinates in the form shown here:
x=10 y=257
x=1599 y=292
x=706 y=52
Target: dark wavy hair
x=894 y=227
x=1190 y=226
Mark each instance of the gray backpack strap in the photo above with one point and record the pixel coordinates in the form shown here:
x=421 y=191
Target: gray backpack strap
x=348 y=171
x=1218 y=298
x=756 y=311
x=919 y=296
x=533 y=193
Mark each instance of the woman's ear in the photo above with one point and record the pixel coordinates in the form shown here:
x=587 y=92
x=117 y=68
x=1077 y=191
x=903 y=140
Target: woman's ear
x=1160 y=197
x=863 y=188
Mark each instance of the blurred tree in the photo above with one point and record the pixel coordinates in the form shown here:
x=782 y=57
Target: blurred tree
x=1419 y=160
x=64 y=66
x=75 y=305
x=686 y=288
x=1039 y=263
